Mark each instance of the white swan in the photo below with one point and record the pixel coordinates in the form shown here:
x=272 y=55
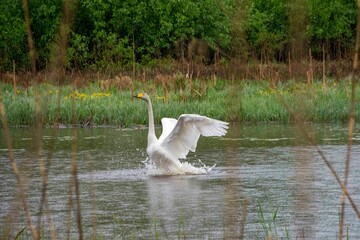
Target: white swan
x=178 y=138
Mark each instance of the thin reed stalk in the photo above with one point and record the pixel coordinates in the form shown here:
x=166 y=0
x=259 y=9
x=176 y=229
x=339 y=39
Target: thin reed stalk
x=69 y=206
x=93 y=200
x=38 y=134
x=77 y=188
x=44 y=169
x=74 y=176
x=14 y=78
x=51 y=225
x=355 y=67
x=243 y=219
x=310 y=139
x=74 y=185
x=348 y=156
x=16 y=172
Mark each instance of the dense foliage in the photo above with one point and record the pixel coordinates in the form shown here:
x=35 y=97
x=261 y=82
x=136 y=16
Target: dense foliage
x=115 y=34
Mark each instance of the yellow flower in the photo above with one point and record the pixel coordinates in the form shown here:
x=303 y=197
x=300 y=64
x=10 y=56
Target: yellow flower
x=82 y=95
x=76 y=95
x=161 y=98
x=99 y=95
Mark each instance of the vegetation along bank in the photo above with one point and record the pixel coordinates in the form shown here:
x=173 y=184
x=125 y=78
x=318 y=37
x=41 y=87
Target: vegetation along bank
x=245 y=101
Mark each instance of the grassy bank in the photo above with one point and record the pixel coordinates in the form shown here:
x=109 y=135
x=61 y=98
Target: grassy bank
x=248 y=101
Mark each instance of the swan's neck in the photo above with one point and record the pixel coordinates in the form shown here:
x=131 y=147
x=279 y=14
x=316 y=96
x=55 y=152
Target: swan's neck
x=151 y=135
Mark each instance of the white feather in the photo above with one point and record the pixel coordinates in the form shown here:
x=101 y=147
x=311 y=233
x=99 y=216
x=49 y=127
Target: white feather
x=168 y=125
x=185 y=134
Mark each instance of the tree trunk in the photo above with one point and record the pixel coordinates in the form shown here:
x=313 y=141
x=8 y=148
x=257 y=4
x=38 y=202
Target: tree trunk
x=14 y=78
x=32 y=51
x=133 y=56
x=323 y=66
x=310 y=72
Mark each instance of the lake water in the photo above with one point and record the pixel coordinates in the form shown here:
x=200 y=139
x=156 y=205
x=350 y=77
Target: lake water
x=267 y=165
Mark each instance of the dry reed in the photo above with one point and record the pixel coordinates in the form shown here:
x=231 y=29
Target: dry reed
x=243 y=218
x=45 y=168
x=300 y=124
x=16 y=172
x=75 y=180
x=348 y=156
x=355 y=67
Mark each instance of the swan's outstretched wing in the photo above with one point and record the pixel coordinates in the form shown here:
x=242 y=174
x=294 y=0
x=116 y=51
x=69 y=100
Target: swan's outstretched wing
x=187 y=131
x=168 y=125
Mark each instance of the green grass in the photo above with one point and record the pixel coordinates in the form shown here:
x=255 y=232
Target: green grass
x=247 y=101
x=268 y=222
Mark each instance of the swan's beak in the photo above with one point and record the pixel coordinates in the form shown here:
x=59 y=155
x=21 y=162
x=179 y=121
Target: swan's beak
x=140 y=95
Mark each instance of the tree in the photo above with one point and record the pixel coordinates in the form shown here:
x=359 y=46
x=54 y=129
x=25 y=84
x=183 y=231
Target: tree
x=267 y=28
x=12 y=36
x=331 y=26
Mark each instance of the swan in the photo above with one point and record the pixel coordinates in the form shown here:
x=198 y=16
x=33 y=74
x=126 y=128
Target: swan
x=178 y=138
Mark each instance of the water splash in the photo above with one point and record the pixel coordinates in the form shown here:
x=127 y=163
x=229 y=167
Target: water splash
x=184 y=169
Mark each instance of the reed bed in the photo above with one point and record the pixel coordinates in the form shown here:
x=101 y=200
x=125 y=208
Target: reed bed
x=244 y=101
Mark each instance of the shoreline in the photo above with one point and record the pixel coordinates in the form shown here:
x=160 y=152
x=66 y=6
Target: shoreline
x=242 y=101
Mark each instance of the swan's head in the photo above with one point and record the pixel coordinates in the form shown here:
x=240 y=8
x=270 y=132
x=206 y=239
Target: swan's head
x=143 y=96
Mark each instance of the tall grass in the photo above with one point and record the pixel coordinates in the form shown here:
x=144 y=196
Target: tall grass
x=246 y=101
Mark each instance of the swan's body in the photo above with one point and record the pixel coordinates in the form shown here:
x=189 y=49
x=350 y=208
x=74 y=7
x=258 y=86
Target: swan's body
x=178 y=137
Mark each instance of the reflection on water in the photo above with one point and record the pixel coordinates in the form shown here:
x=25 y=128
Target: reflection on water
x=266 y=165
